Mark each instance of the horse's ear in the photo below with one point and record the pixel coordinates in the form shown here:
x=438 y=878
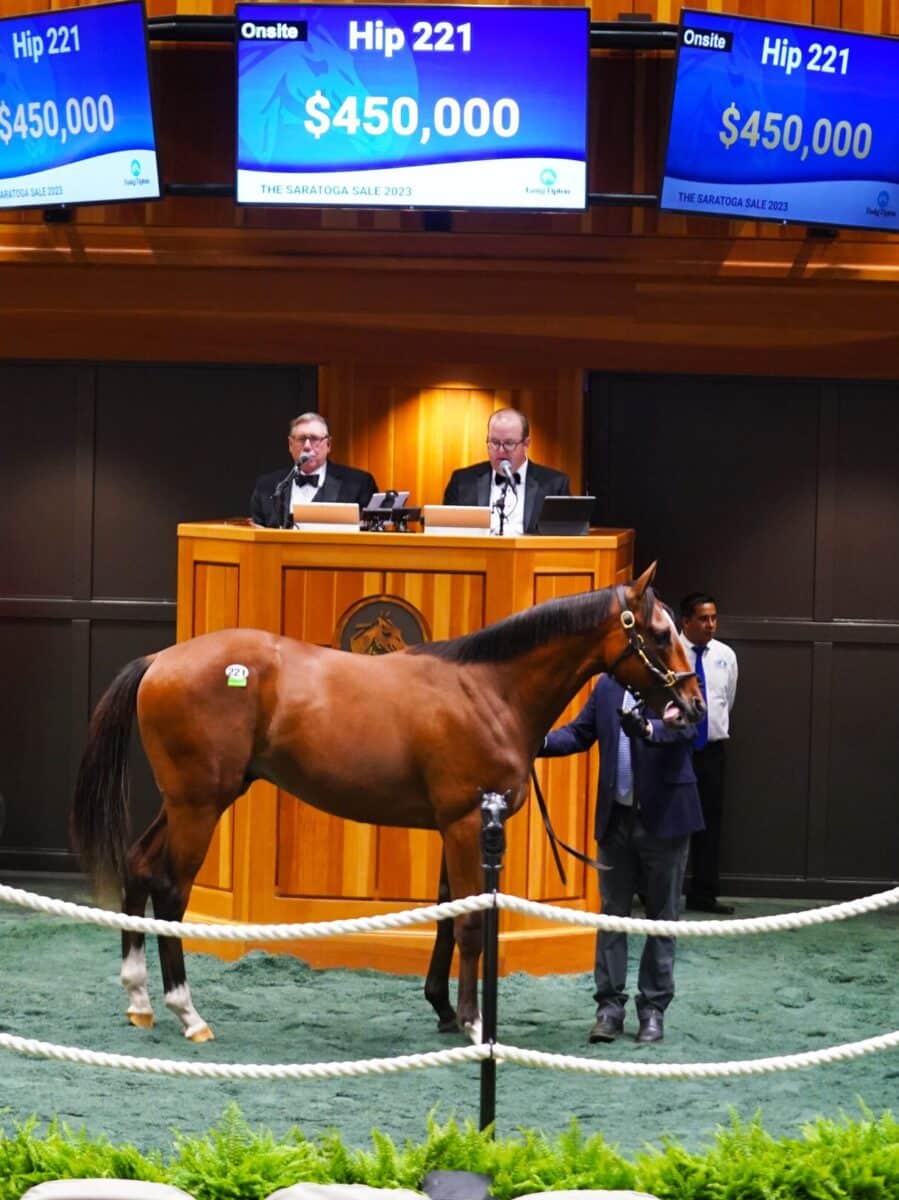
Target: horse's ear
x=640 y=585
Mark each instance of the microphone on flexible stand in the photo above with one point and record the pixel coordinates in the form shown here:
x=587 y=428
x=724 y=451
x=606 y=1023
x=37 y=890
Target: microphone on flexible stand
x=292 y=474
x=505 y=469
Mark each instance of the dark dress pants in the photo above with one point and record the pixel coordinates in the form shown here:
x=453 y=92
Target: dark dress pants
x=705 y=845
x=657 y=864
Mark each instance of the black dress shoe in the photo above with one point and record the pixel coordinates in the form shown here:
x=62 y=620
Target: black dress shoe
x=652 y=1026
x=698 y=904
x=607 y=1028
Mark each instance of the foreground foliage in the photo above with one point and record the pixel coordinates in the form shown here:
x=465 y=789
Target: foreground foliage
x=833 y=1160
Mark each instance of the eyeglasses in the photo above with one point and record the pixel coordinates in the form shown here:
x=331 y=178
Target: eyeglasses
x=508 y=445
x=307 y=437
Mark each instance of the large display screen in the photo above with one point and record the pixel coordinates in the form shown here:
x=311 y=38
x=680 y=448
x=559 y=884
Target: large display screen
x=410 y=106
x=783 y=122
x=76 y=123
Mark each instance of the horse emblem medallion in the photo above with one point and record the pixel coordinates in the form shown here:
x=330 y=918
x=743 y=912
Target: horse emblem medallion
x=380 y=625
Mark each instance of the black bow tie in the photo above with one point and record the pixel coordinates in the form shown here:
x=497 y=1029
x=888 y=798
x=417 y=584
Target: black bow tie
x=307 y=481
x=505 y=479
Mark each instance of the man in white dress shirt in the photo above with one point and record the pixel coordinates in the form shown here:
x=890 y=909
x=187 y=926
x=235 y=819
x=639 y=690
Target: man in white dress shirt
x=716 y=668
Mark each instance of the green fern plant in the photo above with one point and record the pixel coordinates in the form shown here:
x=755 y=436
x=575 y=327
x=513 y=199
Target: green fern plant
x=833 y=1160
x=234 y=1162
x=28 y=1158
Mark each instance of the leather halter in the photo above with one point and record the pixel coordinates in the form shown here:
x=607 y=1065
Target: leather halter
x=667 y=680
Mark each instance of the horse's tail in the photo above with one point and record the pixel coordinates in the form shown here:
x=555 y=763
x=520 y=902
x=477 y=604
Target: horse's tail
x=100 y=808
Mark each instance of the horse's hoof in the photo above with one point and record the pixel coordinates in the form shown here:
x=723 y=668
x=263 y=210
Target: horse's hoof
x=475 y=1031
x=448 y=1024
x=203 y=1034
x=143 y=1020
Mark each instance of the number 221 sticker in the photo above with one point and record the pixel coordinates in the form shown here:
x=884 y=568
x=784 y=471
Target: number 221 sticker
x=236 y=675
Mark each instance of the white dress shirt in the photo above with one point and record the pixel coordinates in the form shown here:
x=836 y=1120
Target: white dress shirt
x=514 y=506
x=720 y=666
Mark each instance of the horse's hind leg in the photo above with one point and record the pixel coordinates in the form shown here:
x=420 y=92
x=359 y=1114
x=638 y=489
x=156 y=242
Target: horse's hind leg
x=186 y=844
x=461 y=845
x=437 y=981
x=133 y=975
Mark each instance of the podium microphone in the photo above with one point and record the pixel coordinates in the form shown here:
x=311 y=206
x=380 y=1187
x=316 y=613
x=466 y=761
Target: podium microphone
x=292 y=473
x=505 y=468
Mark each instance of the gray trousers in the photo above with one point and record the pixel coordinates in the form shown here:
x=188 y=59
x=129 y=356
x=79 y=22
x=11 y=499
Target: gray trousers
x=654 y=866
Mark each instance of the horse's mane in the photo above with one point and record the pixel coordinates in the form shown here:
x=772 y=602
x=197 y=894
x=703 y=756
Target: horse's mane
x=524 y=631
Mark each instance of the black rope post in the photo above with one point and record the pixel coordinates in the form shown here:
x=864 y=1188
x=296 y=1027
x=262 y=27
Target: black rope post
x=494 y=808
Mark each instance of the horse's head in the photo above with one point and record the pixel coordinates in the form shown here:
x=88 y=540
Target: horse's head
x=652 y=661
x=379 y=636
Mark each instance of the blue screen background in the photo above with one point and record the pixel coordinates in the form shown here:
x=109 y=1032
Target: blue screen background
x=708 y=81
x=536 y=57
x=112 y=60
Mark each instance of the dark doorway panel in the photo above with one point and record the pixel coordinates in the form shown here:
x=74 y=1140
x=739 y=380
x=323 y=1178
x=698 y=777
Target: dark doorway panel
x=100 y=463
x=781 y=497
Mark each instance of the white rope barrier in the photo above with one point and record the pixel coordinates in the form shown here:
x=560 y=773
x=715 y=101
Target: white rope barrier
x=779 y=923
x=446 y=1058
x=532 y=1058
x=752 y=1066
x=32 y=1048
x=244 y=932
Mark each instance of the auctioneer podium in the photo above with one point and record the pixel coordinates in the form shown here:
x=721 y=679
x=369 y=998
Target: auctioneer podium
x=274 y=859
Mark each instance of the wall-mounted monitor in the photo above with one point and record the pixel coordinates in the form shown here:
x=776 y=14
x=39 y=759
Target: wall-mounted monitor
x=771 y=121
x=76 y=122
x=404 y=106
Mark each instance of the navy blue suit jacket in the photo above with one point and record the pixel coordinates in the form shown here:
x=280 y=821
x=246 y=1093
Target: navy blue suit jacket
x=342 y=484
x=664 y=781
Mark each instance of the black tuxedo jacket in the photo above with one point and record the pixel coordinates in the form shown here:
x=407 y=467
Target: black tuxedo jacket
x=471 y=485
x=344 y=485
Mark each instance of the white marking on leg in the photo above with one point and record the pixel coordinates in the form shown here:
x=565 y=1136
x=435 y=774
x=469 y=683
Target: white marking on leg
x=475 y=1030
x=133 y=978
x=180 y=1002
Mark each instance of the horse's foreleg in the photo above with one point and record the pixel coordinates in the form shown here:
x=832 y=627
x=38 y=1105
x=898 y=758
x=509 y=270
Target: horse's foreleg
x=461 y=846
x=170 y=889
x=437 y=981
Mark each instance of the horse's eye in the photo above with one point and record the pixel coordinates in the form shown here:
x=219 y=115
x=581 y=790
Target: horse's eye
x=664 y=638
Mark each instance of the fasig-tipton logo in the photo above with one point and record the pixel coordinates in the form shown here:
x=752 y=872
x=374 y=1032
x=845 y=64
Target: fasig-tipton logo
x=706 y=39
x=134 y=178
x=273 y=31
x=883 y=208
x=548 y=177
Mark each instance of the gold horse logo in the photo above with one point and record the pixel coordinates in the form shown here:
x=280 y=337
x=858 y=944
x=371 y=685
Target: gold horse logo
x=379 y=636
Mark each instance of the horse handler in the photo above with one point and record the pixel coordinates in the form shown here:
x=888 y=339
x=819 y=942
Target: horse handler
x=647 y=808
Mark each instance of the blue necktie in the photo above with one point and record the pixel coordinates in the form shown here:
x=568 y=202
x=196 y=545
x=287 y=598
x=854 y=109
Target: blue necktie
x=625 y=783
x=702 y=729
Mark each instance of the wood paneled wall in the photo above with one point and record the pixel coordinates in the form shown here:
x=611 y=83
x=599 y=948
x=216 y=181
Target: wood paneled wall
x=413 y=425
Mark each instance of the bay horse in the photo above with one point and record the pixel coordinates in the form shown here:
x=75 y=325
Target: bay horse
x=407 y=739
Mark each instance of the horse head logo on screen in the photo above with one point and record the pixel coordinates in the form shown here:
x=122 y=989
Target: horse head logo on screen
x=380 y=625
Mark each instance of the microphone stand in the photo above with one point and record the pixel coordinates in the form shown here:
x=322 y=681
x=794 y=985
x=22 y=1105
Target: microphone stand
x=500 y=507
x=288 y=479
